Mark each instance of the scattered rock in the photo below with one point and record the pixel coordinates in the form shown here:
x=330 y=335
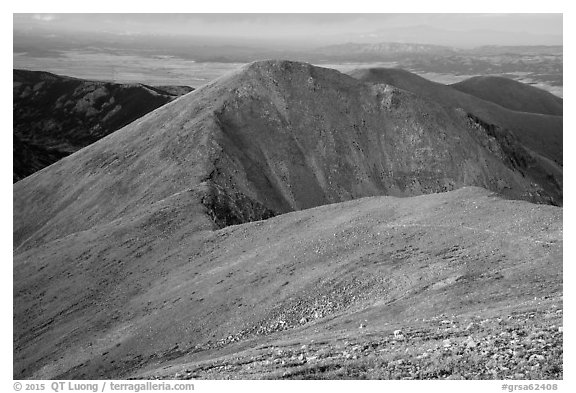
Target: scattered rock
x=470 y=343
x=536 y=357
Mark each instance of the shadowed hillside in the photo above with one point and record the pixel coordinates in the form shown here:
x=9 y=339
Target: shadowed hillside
x=55 y=116
x=138 y=252
x=28 y=158
x=512 y=94
x=538 y=132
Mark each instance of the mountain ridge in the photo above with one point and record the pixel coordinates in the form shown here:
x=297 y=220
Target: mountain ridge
x=541 y=133
x=511 y=94
x=56 y=115
x=263 y=151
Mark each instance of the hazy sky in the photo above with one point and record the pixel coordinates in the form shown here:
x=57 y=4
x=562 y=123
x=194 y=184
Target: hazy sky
x=315 y=28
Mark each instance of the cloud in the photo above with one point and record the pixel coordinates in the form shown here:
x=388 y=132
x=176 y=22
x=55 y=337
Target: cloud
x=44 y=17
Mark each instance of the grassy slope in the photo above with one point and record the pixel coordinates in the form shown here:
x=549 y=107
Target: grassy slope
x=512 y=94
x=118 y=303
x=540 y=133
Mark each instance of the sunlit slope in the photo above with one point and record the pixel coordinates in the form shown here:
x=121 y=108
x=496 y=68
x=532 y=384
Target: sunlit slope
x=160 y=286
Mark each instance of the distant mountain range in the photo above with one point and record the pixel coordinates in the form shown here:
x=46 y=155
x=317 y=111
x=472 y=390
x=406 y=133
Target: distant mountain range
x=404 y=42
x=456 y=38
x=381 y=51
x=401 y=50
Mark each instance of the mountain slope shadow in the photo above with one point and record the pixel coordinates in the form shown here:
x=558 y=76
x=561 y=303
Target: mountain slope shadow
x=55 y=115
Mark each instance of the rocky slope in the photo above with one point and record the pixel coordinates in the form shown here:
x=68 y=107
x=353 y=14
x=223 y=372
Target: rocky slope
x=521 y=341
x=55 y=116
x=511 y=94
x=540 y=133
x=160 y=289
x=128 y=253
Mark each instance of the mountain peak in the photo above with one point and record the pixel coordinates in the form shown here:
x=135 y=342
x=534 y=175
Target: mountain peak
x=272 y=137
